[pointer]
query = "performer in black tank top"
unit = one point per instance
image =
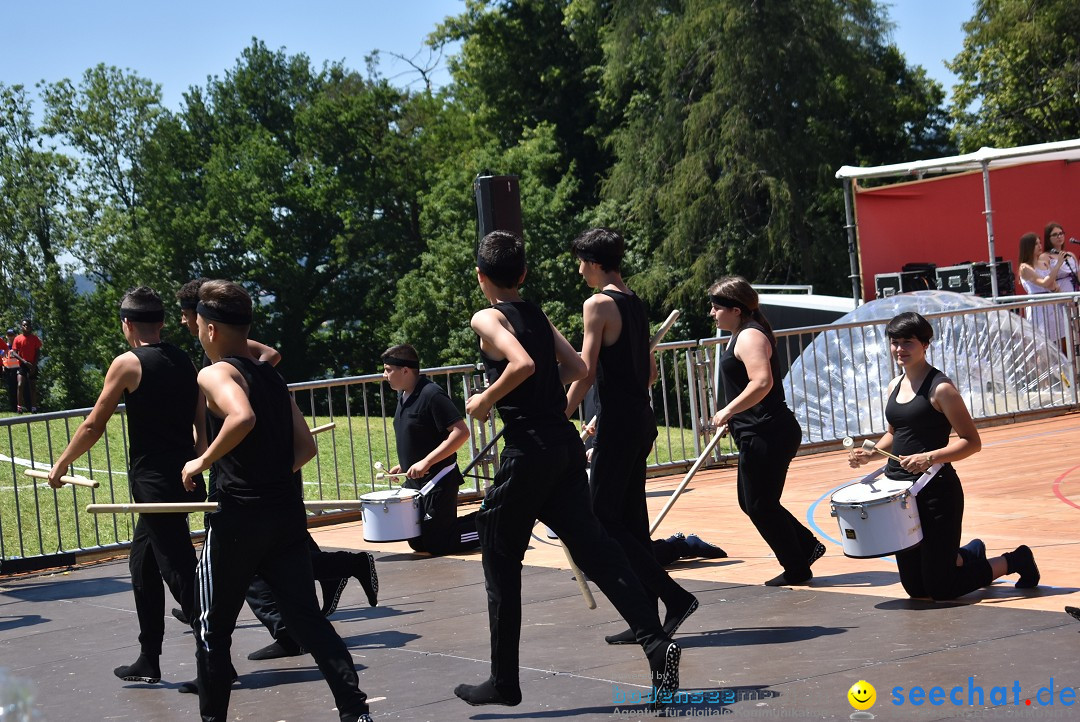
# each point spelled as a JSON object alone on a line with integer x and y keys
{"x": 164, "y": 409}
{"x": 765, "y": 431}
{"x": 616, "y": 353}
{"x": 260, "y": 528}
{"x": 541, "y": 476}
{"x": 923, "y": 409}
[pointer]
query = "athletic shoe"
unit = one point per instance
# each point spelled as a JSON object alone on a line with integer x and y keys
{"x": 974, "y": 549}
{"x": 365, "y": 573}
{"x": 698, "y": 547}
{"x": 179, "y": 615}
{"x": 331, "y": 594}
{"x": 817, "y": 553}
{"x": 192, "y": 687}
{"x": 664, "y": 668}
{"x": 277, "y": 650}
{"x": 675, "y": 617}
{"x": 1022, "y": 561}
{"x": 1073, "y": 612}
{"x": 145, "y": 669}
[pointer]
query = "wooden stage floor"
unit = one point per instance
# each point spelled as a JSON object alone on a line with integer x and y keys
{"x": 750, "y": 650}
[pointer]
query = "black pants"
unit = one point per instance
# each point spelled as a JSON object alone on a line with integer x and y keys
{"x": 442, "y": 531}
{"x": 553, "y": 488}
{"x": 161, "y": 550}
{"x": 11, "y": 382}
{"x": 929, "y": 570}
{"x": 241, "y": 543}
{"x": 764, "y": 458}
{"x": 325, "y": 566}
{"x": 617, "y": 484}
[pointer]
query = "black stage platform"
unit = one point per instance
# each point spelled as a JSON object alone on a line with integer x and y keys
{"x": 749, "y": 651}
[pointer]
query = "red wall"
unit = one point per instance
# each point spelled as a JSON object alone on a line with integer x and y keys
{"x": 940, "y": 220}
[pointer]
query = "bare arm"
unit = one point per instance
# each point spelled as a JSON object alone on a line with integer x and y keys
{"x": 457, "y": 434}
{"x": 262, "y": 352}
{"x": 595, "y": 319}
{"x": 1027, "y": 273}
{"x": 304, "y": 448}
{"x": 499, "y": 342}
{"x": 946, "y": 399}
{"x": 571, "y": 367}
{"x": 124, "y": 374}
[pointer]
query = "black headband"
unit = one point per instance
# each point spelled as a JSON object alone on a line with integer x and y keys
{"x": 133, "y": 314}
{"x": 398, "y": 361}
{"x": 189, "y": 305}
{"x": 214, "y": 314}
{"x": 728, "y": 303}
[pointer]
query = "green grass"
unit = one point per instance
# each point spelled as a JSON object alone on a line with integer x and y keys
{"x": 342, "y": 469}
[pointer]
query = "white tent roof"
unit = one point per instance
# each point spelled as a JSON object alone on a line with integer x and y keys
{"x": 993, "y": 157}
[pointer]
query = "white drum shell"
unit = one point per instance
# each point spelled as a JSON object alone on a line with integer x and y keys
{"x": 391, "y": 515}
{"x": 877, "y": 519}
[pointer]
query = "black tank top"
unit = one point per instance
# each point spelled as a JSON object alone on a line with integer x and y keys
{"x": 622, "y": 374}
{"x": 736, "y": 380}
{"x": 534, "y": 413}
{"x": 161, "y": 416}
{"x": 917, "y": 426}
{"x": 258, "y": 472}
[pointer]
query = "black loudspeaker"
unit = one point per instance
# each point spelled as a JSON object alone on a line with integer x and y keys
{"x": 498, "y": 204}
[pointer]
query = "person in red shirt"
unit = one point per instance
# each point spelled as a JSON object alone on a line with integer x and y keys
{"x": 27, "y": 347}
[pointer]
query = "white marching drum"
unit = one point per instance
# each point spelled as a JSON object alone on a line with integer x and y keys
{"x": 877, "y": 516}
{"x": 391, "y": 515}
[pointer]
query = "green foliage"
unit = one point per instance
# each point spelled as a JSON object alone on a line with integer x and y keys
{"x": 1019, "y": 74}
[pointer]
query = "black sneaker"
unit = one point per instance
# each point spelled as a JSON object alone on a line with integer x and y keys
{"x": 817, "y": 553}
{"x": 331, "y": 594}
{"x": 365, "y": 573}
{"x": 664, "y": 668}
{"x": 1023, "y": 562}
{"x": 698, "y": 547}
{"x": 675, "y": 617}
{"x": 144, "y": 669}
{"x": 1073, "y": 612}
{"x": 277, "y": 650}
{"x": 973, "y": 550}
{"x": 179, "y": 615}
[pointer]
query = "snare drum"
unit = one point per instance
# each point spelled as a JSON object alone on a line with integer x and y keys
{"x": 391, "y": 515}
{"x": 877, "y": 517}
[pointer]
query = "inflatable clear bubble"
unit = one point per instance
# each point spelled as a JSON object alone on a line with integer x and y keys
{"x": 999, "y": 361}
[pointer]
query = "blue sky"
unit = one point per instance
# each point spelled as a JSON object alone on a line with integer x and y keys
{"x": 179, "y": 44}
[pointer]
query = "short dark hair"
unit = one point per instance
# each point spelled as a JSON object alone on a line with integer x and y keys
{"x": 228, "y": 298}
{"x": 600, "y": 245}
{"x": 909, "y": 325}
{"x": 188, "y": 295}
{"x": 142, "y": 298}
{"x": 501, "y": 257}
{"x": 394, "y": 355}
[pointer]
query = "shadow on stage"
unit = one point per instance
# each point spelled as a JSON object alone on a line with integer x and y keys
{"x": 741, "y": 636}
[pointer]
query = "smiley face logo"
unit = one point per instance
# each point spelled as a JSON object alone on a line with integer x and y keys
{"x": 862, "y": 695}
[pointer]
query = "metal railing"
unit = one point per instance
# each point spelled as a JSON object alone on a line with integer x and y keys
{"x": 39, "y": 522}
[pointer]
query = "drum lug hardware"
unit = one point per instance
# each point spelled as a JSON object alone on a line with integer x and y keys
{"x": 862, "y": 513}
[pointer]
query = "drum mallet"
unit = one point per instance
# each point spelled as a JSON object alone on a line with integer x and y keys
{"x": 868, "y": 445}
{"x": 689, "y": 475}
{"x": 653, "y": 343}
{"x": 73, "y": 480}
{"x": 380, "y": 474}
{"x": 324, "y": 427}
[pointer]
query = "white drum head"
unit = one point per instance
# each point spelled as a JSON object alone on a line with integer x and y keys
{"x": 880, "y": 490}
{"x": 391, "y": 496}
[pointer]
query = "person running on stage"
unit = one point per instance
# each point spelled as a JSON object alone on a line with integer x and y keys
{"x": 617, "y": 359}
{"x": 763, "y": 427}
{"x": 165, "y": 419}
{"x": 261, "y": 440}
{"x": 541, "y": 476}
{"x": 429, "y": 430}
{"x": 923, "y": 409}
{"x": 332, "y": 569}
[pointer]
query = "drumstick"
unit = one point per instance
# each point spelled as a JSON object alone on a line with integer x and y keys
{"x": 73, "y": 480}
{"x": 653, "y": 343}
{"x": 324, "y": 427}
{"x": 190, "y": 507}
{"x": 382, "y": 475}
{"x": 689, "y": 475}
{"x": 868, "y": 445}
{"x": 586, "y": 592}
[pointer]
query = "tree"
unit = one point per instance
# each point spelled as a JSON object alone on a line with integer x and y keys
{"x": 733, "y": 117}
{"x": 1019, "y": 74}
{"x": 300, "y": 184}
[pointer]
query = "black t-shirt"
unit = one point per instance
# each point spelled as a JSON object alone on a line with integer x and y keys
{"x": 534, "y": 412}
{"x": 736, "y": 379}
{"x": 917, "y": 426}
{"x": 421, "y": 422}
{"x": 161, "y": 416}
{"x": 622, "y": 373}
